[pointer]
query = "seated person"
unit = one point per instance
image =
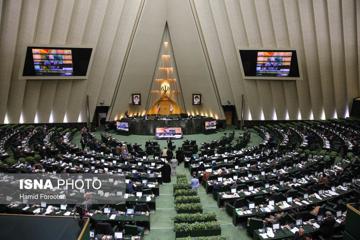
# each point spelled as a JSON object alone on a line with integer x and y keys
{"x": 327, "y": 225}
{"x": 205, "y": 177}
{"x": 130, "y": 187}
{"x": 274, "y": 218}
{"x": 124, "y": 151}
{"x": 306, "y": 215}
{"x": 213, "y": 165}
{"x": 136, "y": 176}
{"x": 300, "y": 235}
{"x": 201, "y": 167}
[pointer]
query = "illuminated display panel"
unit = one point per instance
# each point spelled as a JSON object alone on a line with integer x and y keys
{"x": 270, "y": 64}
{"x": 273, "y": 64}
{"x": 56, "y": 62}
{"x": 52, "y": 62}
{"x": 210, "y": 125}
{"x": 122, "y": 126}
{"x": 168, "y": 132}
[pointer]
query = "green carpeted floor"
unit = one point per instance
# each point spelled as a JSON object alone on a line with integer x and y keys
{"x": 161, "y": 222}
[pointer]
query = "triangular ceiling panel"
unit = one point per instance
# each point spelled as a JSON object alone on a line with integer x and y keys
{"x": 165, "y": 97}
{"x": 192, "y": 72}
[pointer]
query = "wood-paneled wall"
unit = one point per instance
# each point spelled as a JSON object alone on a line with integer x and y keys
{"x": 206, "y": 37}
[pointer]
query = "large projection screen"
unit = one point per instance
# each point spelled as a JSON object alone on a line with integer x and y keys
{"x": 265, "y": 64}
{"x": 56, "y": 62}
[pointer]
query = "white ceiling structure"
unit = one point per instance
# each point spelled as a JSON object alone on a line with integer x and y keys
{"x": 206, "y": 36}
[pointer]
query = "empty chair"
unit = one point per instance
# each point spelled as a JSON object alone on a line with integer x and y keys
{"x": 286, "y": 219}
{"x": 104, "y": 228}
{"x": 120, "y": 207}
{"x": 147, "y": 191}
{"x": 277, "y": 197}
{"x": 142, "y": 207}
{"x": 257, "y": 200}
{"x": 240, "y": 203}
{"x": 133, "y": 230}
{"x": 292, "y": 193}
{"x": 254, "y": 224}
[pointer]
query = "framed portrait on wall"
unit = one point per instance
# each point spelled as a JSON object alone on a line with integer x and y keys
{"x": 196, "y": 99}
{"x": 136, "y": 99}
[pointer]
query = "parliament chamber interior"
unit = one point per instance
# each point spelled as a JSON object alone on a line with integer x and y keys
{"x": 179, "y": 119}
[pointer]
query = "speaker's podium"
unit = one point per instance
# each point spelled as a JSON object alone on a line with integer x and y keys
{"x": 30, "y": 227}
{"x": 352, "y": 224}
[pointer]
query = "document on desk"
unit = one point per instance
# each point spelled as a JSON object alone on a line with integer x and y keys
{"x": 37, "y": 210}
{"x": 332, "y": 193}
{"x": 264, "y": 235}
{"x": 113, "y": 216}
{"x": 294, "y": 230}
{"x": 265, "y": 209}
{"x": 316, "y": 225}
{"x": 25, "y": 208}
{"x": 270, "y": 233}
{"x": 317, "y": 196}
{"x": 284, "y": 205}
{"x": 67, "y": 213}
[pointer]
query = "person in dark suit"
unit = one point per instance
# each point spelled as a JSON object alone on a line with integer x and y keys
{"x": 130, "y": 187}
{"x": 169, "y": 154}
{"x": 180, "y": 155}
{"x": 170, "y": 144}
{"x": 201, "y": 167}
{"x": 166, "y": 173}
{"x": 82, "y": 142}
{"x": 327, "y": 226}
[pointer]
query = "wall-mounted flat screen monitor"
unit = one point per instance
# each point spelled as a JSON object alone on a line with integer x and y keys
{"x": 56, "y": 62}
{"x": 270, "y": 64}
{"x": 168, "y": 132}
{"x": 210, "y": 125}
{"x": 122, "y": 126}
